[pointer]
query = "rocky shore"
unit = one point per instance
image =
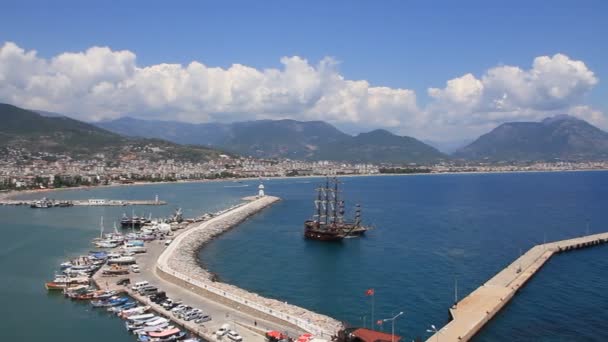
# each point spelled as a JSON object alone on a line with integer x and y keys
{"x": 180, "y": 260}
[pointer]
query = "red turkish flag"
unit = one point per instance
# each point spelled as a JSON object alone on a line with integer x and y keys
{"x": 379, "y": 322}
{"x": 369, "y": 292}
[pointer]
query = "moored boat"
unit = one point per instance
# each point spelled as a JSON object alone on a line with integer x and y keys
{"x": 328, "y": 223}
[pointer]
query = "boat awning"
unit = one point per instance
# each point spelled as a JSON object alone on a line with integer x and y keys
{"x": 304, "y": 338}
{"x": 164, "y": 333}
{"x": 367, "y": 335}
{"x": 275, "y": 334}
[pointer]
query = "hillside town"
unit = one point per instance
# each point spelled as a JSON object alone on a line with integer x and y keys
{"x": 22, "y": 170}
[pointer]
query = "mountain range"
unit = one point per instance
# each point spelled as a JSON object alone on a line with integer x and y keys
{"x": 560, "y": 137}
{"x": 29, "y": 130}
{"x": 309, "y": 140}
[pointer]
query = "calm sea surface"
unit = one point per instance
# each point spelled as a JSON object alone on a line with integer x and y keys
{"x": 430, "y": 230}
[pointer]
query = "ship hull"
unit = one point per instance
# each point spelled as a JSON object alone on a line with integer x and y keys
{"x": 313, "y": 231}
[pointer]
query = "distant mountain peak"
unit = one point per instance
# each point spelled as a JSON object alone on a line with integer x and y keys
{"x": 558, "y": 118}
{"x": 379, "y": 132}
{"x": 561, "y": 137}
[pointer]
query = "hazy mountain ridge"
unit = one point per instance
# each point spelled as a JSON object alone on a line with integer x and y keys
{"x": 29, "y": 130}
{"x": 561, "y": 137}
{"x": 312, "y": 140}
{"x": 380, "y": 146}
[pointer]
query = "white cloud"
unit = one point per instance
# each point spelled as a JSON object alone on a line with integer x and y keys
{"x": 554, "y": 85}
{"x": 102, "y": 83}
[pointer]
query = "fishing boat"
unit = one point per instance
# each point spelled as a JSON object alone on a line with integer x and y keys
{"x": 58, "y": 286}
{"x": 156, "y": 328}
{"x": 114, "y": 270}
{"x": 140, "y": 310}
{"x": 63, "y": 282}
{"x": 328, "y": 222}
{"x": 167, "y": 335}
{"x": 109, "y": 302}
{"x": 42, "y": 203}
{"x": 122, "y": 260}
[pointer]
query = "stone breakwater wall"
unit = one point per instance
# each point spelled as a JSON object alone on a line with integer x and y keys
{"x": 179, "y": 261}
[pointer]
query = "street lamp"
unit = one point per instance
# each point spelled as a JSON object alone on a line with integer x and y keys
{"x": 434, "y": 330}
{"x": 393, "y": 324}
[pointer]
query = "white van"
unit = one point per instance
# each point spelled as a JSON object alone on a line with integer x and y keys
{"x": 139, "y": 285}
{"x": 168, "y": 242}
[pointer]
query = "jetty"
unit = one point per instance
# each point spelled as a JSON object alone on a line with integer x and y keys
{"x": 179, "y": 265}
{"x": 471, "y": 313}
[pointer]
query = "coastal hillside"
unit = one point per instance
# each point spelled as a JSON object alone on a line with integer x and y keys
{"x": 261, "y": 138}
{"x": 380, "y": 146}
{"x": 304, "y": 140}
{"x": 556, "y": 138}
{"x": 29, "y": 131}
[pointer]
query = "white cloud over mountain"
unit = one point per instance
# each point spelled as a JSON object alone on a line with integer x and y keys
{"x": 100, "y": 83}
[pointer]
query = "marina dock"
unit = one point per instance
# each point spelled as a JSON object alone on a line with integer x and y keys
{"x": 471, "y": 313}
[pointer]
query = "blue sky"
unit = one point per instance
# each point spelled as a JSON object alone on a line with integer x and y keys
{"x": 395, "y": 44}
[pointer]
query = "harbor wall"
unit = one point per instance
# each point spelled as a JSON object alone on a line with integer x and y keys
{"x": 473, "y": 312}
{"x": 179, "y": 264}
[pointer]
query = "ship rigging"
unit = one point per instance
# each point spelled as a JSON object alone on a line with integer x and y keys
{"x": 328, "y": 222}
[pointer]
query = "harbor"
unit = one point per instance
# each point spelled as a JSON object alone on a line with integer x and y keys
{"x": 473, "y": 312}
{"x": 255, "y": 233}
{"x": 162, "y": 253}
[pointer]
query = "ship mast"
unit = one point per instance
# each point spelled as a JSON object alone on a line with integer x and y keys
{"x": 326, "y": 200}
{"x": 335, "y": 202}
{"x": 317, "y": 216}
{"x": 358, "y": 215}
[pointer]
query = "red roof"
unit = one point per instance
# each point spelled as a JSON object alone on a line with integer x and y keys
{"x": 368, "y": 335}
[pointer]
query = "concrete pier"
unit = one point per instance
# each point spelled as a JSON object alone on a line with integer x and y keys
{"x": 178, "y": 264}
{"x": 474, "y": 311}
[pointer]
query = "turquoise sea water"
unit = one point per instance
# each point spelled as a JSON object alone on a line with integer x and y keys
{"x": 430, "y": 229}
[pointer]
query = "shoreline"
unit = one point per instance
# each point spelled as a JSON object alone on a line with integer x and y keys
{"x": 180, "y": 265}
{"x": 10, "y": 195}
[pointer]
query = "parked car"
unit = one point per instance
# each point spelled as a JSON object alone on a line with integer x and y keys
{"x": 158, "y": 297}
{"x": 223, "y": 330}
{"x": 135, "y": 268}
{"x": 124, "y": 282}
{"x": 169, "y": 303}
{"x": 202, "y": 319}
{"x": 234, "y": 336}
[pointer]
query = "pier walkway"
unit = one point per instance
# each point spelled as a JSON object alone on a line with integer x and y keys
{"x": 474, "y": 311}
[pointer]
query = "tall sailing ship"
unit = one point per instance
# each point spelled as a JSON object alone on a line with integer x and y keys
{"x": 328, "y": 223}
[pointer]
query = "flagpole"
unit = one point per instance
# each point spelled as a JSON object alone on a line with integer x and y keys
{"x": 373, "y": 295}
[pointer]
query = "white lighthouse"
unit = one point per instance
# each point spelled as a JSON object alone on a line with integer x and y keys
{"x": 261, "y": 190}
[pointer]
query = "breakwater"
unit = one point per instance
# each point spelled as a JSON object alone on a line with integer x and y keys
{"x": 179, "y": 264}
{"x": 478, "y": 308}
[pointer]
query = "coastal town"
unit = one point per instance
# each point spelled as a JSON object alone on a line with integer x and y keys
{"x": 20, "y": 170}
